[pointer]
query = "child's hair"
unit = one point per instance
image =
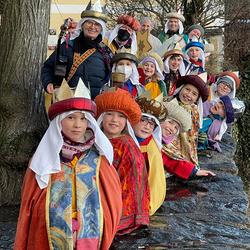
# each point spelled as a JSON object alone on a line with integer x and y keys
{"x": 174, "y": 56}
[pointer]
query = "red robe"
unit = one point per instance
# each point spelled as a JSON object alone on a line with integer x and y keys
{"x": 31, "y": 228}
{"x": 130, "y": 165}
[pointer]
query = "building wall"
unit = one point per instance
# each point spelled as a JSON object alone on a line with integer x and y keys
{"x": 60, "y": 10}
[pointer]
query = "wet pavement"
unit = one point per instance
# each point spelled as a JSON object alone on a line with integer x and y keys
{"x": 204, "y": 213}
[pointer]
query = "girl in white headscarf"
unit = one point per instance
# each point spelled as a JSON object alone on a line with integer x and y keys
{"x": 151, "y": 75}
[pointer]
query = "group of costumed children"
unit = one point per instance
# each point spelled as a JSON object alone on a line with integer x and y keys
{"x": 100, "y": 168}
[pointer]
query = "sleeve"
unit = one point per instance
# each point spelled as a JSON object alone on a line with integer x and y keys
{"x": 181, "y": 168}
{"x": 31, "y": 193}
{"x": 111, "y": 199}
{"x": 48, "y": 70}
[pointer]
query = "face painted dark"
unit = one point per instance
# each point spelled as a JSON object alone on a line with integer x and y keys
{"x": 123, "y": 35}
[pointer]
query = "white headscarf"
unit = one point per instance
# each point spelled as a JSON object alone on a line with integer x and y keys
{"x": 129, "y": 128}
{"x": 157, "y": 68}
{"x": 181, "y": 68}
{"x": 78, "y": 28}
{"x": 46, "y": 159}
{"x": 181, "y": 29}
{"x": 113, "y": 34}
{"x": 199, "y": 105}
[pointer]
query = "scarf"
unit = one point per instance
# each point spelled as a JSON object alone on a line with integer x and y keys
{"x": 198, "y": 63}
{"x": 82, "y": 44}
{"x": 70, "y": 149}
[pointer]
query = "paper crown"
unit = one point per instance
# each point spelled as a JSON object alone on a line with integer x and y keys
{"x": 67, "y": 99}
{"x": 199, "y": 81}
{"x": 118, "y": 100}
{"x": 178, "y": 114}
{"x": 95, "y": 10}
{"x": 152, "y": 106}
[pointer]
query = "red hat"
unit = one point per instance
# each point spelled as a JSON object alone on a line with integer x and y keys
{"x": 76, "y": 103}
{"x": 196, "y": 81}
{"x": 121, "y": 101}
{"x": 130, "y": 21}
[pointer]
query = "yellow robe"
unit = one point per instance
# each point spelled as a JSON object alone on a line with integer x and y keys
{"x": 156, "y": 176}
{"x": 153, "y": 88}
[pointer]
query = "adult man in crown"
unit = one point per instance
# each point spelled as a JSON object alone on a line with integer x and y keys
{"x": 84, "y": 55}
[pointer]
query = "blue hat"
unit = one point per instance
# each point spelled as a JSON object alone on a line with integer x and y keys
{"x": 228, "y": 108}
{"x": 194, "y": 44}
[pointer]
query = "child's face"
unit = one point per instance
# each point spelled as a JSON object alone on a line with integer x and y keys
{"x": 124, "y": 66}
{"x": 175, "y": 62}
{"x": 169, "y": 127}
{"x": 195, "y": 32}
{"x": 223, "y": 89}
{"x": 189, "y": 94}
{"x": 74, "y": 126}
{"x": 194, "y": 53}
{"x": 149, "y": 69}
{"x": 144, "y": 128}
{"x": 113, "y": 124}
{"x": 218, "y": 109}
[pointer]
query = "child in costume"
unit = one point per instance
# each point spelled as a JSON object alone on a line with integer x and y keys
{"x": 151, "y": 75}
{"x": 191, "y": 92}
{"x": 194, "y": 32}
{"x": 178, "y": 121}
{"x": 148, "y": 134}
{"x": 126, "y": 63}
{"x": 71, "y": 196}
{"x": 174, "y": 68}
{"x": 195, "y": 58}
{"x": 117, "y": 111}
{"x": 216, "y": 116}
{"x": 226, "y": 84}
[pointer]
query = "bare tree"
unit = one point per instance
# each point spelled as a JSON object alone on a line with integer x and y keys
{"x": 204, "y": 12}
{"x": 23, "y": 43}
